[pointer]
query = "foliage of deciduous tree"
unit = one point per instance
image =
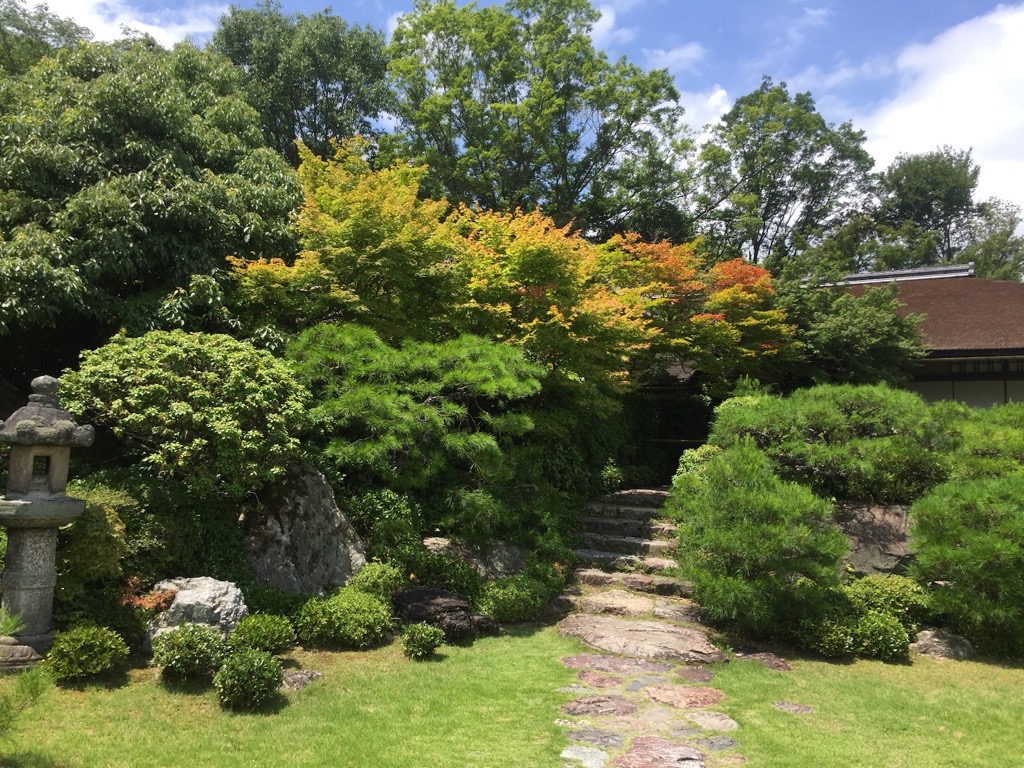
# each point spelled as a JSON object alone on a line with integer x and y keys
{"x": 27, "y": 35}
{"x": 775, "y": 177}
{"x": 124, "y": 170}
{"x": 510, "y": 106}
{"x": 311, "y": 78}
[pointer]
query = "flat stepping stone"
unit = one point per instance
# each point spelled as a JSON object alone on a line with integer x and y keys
{"x": 654, "y": 752}
{"x": 715, "y": 743}
{"x": 643, "y": 682}
{"x": 617, "y": 602}
{"x": 685, "y": 612}
{"x": 770, "y": 660}
{"x": 297, "y": 679}
{"x": 658, "y": 585}
{"x": 614, "y": 664}
{"x": 685, "y": 696}
{"x": 595, "y": 577}
{"x": 793, "y": 708}
{"x": 598, "y": 737}
{"x": 643, "y": 639}
{"x": 575, "y": 689}
{"x": 696, "y": 675}
{"x": 600, "y": 705}
{"x": 713, "y": 721}
{"x": 588, "y": 757}
{"x": 596, "y": 680}
{"x": 686, "y": 733}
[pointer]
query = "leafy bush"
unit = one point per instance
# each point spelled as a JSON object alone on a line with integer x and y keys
{"x": 91, "y": 548}
{"x": 514, "y": 599}
{"x": 758, "y": 550}
{"x": 969, "y": 543}
{"x": 435, "y": 569}
{"x": 989, "y": 441}
{"x": 855, "y": 443}
{"x": 878, "y": 635}
{"x": 384, "y": 518}
{"x": 378, "y": 579}
{"x": 84, "y": 653}
{"x": 419, "y": 641}
{"x": 248, "y": 679}
{"x": 693, "y": 468}
{"x": 189, "y": 652}
{"x": 347, "y": 619}
{"x": 272, "y": 601}
{"x": 896, "y": 596}
{"x": 263, "y": 632}
{"x": 213, "y": 412}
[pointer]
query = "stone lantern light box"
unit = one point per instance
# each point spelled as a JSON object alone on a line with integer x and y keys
{"x": 41, "y": 436}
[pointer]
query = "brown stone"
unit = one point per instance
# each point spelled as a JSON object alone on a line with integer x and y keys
{"x": 712, "y": 721}
{"x": 595, "y": 680}
{"x": 877, "y": 535}
{"x": 297, "y": 679}
{"x": 594, "y": 577}
{"x": 696, "y": 675}
{"x": 654, "y": 752}
{"x": 614, "y": 664}
{"x": 769, "y": 660}
{"x": 643, "y": 639}
{"x": 617, "y": 602}
{"x": 685, "y": 696}
{"x": 599, "y": 705}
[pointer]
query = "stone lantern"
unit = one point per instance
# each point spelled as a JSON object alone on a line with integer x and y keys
{"x": 41, "y": 436}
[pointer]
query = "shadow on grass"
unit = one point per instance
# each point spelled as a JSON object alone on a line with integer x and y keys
{"x": 28, "y": 760}
{"x": 272, "y": 706}
{"x": 186, "y": 686}
{"x": 109, "y": 682}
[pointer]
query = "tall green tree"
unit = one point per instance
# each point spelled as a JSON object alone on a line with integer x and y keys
{"x": 510, "y": 106}
{"x": 775, "y": 177}
{"x": 27, "y": 35}
{"x": 125, "y": 170}
{"x": 311, "y": 78}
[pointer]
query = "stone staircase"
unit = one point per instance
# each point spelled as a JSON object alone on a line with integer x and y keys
{"x": 626, "y": 531}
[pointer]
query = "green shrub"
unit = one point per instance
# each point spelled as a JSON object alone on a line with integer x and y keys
{"x": 514, "y": 599}
{"x": 91, "y": 548}
{"x": 896, "y": 596}
{"x": 347, "y": 619}
{"x": 85, "y": 653}
{"x": 968, "y": 539}
{"x": 384, "y": 518}
{"x": 693, "y": 467}
{"x": 272, "y": 601}
{"x": 878, "y": 635}
{"x": 855, "y": 443}
{"x": 419, "y": 641}
{"x": 263, "y": 632}
{"x": 189, "y": 652}
{"x": 832, "y": 638}
{"x": 759, "y": 551}
{"x": 248, "y": 679}
{"x": 990, "y": 441}
{"x": 435, "y": 569}
{"x": 378, "y": 579}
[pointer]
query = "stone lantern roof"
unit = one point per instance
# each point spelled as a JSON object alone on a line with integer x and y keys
{"x": 43, "y": 421}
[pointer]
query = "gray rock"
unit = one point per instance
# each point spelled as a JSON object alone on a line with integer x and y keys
{"x": 588, "y": 757}
{"x": 877, "y": 535}
{"x": 595, "y": 577}
{"x": 297, "y": 679}
{"x": 598, "y": 737}
{"x": 942, "y": 645}
{"x": 618, "y": 602}
{"x": 642, "y": 682}
{"x": 599, "y": 705}
{"x": 644, "y": 639}
{"x": 301, "y": 542}
{"x": 715, "y": 743}
{"x": 200, "y": 600}
{"x": 614, "y": 664}
{"x": 793, "y": 708}
{"x": 689, "y": 613}
{"x": 712, "y": 721}
{"x": 696, "y": 675}
{"x": 494, "y": 562}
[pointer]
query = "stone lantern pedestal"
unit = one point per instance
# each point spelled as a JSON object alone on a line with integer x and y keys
{"x": 41, "y": 436}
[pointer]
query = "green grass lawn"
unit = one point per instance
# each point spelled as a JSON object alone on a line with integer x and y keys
{"x": 495, "y": 703}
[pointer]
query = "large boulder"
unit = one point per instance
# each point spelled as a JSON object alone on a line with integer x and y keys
{"x": 301, "y": 542}
{"x": 942, "y": 645}
{"x": 877, "y": 535}
{"x": 200, "y": 600}
{"x": 446, "y": 610}
{"x": 642, "y": 639}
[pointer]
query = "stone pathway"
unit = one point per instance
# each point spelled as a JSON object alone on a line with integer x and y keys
{"x": 652, "y": 704}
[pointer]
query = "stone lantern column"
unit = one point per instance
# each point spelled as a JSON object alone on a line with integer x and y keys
{"x": 41, "y": 436}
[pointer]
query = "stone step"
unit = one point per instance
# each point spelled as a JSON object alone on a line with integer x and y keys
{"x": 621, "y": 511}
{"x": 629, "y": 545}
{"x": 614, "y": 527}
{"x": 605, "y": 559}
{"x": 638, "y": 582}
{"x": 637, "y": 497}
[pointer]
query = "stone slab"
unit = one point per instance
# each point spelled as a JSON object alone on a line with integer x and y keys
{"x": 617, "y": 602}
{"x": 588, "y": 757}
{"x": 614, "y": 664}
{"x": 654, "y": 752}
{"x": 685, "y": 696}
{"x": 696, "y": 675}
{"x": 597, "y": 680}
{"x": 600, "y": 705}
{"x": 793, "y": 708}
{"x": 598, "y": 737}
{"x": 712, "y": 721}
{"x": 642, "y": 639}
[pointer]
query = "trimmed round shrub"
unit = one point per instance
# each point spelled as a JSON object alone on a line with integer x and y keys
{"x": 263, "y": 632}
{"x": 514, "y": 599}
{"x": 378, "y": 579}
{"x": 419, "y": 641}
{"x": 969, "y": 542}
{"x": 248, "y": 679}
{"x": 85, "y": 653}
{"x": 347, "y": 619}
{"x": 895, "y": 596}
{"x": 189, "y": 652}
{"x": 877, "y": 635}
{"x": 830, "y": 637}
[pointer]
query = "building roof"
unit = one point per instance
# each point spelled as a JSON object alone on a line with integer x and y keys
{"x": 966, "y": 316}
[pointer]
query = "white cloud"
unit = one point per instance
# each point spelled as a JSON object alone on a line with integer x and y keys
{"x": 107, "y": 18}
{"x": 703, "y": 108}
{"x": 963, "y": 89}
{"x": 677, "y": 59}
{"x": 392, "y": 23}
{"x": 604, "y": 32}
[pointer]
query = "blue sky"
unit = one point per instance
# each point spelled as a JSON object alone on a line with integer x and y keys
{"x": 913, "y": 74}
